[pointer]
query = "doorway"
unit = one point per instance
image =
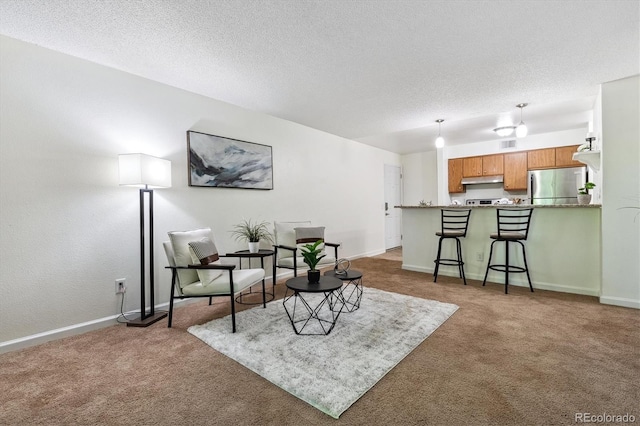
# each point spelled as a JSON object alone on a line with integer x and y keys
{"x": 392, "y": 197}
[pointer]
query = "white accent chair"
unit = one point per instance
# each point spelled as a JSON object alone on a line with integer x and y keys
{"x": 190, "y": 278}
{"x": 286, "y": 249}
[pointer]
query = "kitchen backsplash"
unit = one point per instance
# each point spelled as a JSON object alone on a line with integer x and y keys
{"x": 487, "y": 190}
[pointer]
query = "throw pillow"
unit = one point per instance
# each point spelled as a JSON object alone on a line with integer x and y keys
{"x": 309, "y": 235}
{"x": 204, "y": 251}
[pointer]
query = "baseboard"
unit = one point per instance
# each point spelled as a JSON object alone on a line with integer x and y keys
{"x": 620, "y": 301}
{"x": 75, "y": 329}
{"x": 516, "y": 282}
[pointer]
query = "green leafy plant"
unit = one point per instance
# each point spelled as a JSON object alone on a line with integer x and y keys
{"x": 585, "y": 189}
{"x": 252, "y": 232}
{"x": 310, "y": 253}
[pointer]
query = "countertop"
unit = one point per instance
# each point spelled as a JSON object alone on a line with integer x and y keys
{"x": 537, "y": 206}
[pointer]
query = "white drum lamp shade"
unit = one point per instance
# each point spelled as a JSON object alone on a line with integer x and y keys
{"x": 144, "y": 171}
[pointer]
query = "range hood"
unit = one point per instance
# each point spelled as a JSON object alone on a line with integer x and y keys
{"x": 482, "y": 179}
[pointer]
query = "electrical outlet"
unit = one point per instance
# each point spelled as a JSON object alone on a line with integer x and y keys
{"x": 479, "y": 256}
{"x": 120, "y": 285}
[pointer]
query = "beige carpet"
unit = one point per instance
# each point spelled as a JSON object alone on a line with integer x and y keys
{"x": 523, "y": 358}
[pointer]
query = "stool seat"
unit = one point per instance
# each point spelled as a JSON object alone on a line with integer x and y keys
{"x": 454, "y": 223}
{"x": 450, "y": 234}
{"x": 513, "y": 227}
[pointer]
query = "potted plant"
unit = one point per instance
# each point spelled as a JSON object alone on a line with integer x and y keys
{"x": 310, "y": 253}
{"x": 252, "y": 233}
{"x": 583, "y": 193}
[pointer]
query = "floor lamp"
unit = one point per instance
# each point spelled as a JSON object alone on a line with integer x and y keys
{"x": 145, "y": 172}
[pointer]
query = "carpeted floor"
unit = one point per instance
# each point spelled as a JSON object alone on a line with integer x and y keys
{"x": 522, "y": 358}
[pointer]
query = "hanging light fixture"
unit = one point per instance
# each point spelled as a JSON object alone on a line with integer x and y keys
{"x": 439, "y": 139}
{"x": 521, "y": 129}
{"x": 504, "y": 131}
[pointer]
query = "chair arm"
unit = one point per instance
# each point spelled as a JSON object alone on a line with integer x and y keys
{"x": 227, "y": 267}
{"x": 293, "y": 249}
{"x": 335, "y": 248}
{"x": 212, "y": 266}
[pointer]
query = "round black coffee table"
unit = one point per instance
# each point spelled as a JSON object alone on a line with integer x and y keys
{"x": 352, "y": 290}
{"x": 321, "y": 302}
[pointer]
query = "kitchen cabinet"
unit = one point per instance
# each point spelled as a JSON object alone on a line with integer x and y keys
{"x": 515, "y": 171}
{"x": 564, "y": 156}
{"x": 472, "y": 167}
{"x": 492, "y": 165}
{"x": 541, "y": 158}
{"x": 455, "y": 175}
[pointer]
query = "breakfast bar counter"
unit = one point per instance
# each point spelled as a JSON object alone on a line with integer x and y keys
{"x": 563, "y": 247}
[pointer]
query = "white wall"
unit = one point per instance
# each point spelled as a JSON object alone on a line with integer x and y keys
{"x": 420, "y": 173}
{"x": 539, "y": 141}
{"x": 68, "y": 230}
{"x": 621, "y": 190}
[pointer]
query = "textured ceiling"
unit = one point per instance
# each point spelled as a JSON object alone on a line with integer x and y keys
{"x": 380, "y": 72}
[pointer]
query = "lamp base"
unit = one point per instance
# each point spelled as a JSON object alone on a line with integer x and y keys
{"x": 147, "y": 321}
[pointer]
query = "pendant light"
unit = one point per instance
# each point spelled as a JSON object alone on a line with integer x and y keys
{"x": 521, "y": 129}
{"x": 504, "y": 131}
{"x": 439, "y": 139}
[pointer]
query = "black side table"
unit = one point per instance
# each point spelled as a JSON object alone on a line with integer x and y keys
{"x": 321, "y": 302}
{"x": 352, "y": 290}
{"x": 261, "y": 254}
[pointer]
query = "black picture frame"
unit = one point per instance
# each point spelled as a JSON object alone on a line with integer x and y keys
{"x": 221, "y": 162}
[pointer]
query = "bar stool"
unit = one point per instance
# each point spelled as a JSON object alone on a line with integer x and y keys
{"x": 513, "y": 227}
{"x": 454, "y": 223}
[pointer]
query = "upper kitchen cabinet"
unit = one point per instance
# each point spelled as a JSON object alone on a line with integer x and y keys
{"x": 515, "y": 171}
{"x": 492, "y": 165}
{"x": 472, "y": 166}
{"x": 564, "y": 156}
{"x": 455, "y": 175}
{"x": 541, "y": 158}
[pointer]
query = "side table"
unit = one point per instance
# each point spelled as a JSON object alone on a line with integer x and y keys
{"x": 261, "y": 254}
{"x": 310, "y": 304}
{"x": 352, "y": 291}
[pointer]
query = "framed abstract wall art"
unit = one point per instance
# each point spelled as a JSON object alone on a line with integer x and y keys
{"x": 216, "y": 161}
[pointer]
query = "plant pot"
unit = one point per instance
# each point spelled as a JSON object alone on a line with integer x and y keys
{"x": 313, "y": 275}
{"x": 254, "y": 247}
{"x": 584, "y": 199}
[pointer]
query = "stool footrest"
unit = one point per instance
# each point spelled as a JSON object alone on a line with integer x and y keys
{"x": 449, "y": 262}
{"x": 503, "y": 268}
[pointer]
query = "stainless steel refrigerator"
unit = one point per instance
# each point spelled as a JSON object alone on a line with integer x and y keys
{"x": 556, "y": 186}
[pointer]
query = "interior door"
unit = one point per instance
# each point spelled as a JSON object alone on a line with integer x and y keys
{"x": 392, "y": 197}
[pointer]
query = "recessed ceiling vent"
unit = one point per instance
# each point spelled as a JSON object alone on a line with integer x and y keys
{"x": 508, "y": 144}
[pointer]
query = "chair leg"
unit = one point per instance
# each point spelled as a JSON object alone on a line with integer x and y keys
{"x": 210, "y": 300}
{"x": 486, "y": 274}
{"x": 264, "y": 295}
{"x": 437, "y": 261}
{"x": 171, "y": 295}
{"x": 233, "y": 313}
{"x": 273, "y": 276}
{"x": 526, "y": 267}
{"x": 506, "y": 270}
{"x": 460, "y": 261}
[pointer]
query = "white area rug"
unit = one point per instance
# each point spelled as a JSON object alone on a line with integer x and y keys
{"x": 329, "y": 372}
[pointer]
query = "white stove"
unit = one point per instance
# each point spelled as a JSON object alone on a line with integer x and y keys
{"x": 480, "y": 201}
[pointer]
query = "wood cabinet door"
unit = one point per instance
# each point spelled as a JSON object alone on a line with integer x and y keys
{"x": 472, "y": 167}
{"x": 541, "y": 158}
{"x": 455, "y": 175}
{"x": 515, "y": 171}
{"x": 564, "y": 156}
{"x": 492, "y": 165}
